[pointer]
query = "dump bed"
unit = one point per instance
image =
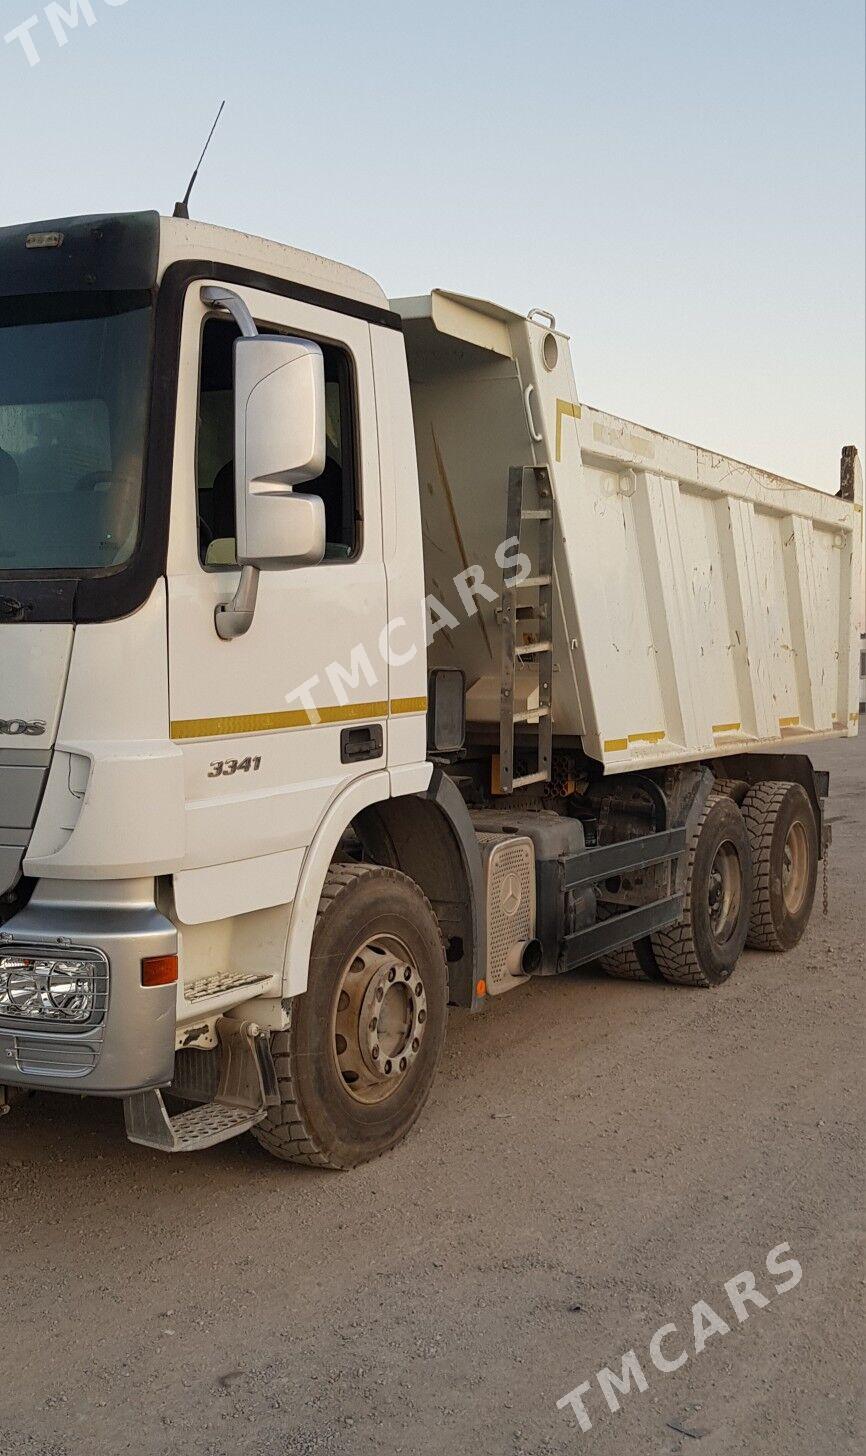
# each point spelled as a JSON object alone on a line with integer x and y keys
{"x": 702, "y": 606}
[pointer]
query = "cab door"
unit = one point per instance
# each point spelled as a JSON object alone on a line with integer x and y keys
{"x": 275, "y": 724}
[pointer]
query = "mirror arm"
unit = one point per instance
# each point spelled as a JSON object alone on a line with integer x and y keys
{"x": 224, "y": 298}
{"x": 232, "y": 619}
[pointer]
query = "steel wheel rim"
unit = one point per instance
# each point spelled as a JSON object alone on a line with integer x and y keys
{"x": 795, "y": 868}
{"x": 725, "y": 892}
{"x": 379, "y": 1019}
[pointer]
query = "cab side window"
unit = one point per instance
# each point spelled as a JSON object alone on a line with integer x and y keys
{"x": 337, "y": 485}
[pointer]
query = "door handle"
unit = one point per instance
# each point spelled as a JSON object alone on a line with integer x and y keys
{"x": 360, "y": 744}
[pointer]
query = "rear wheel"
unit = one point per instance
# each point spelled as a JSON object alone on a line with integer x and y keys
{"x": 784, "y": 838}
{"x": 704, "y": 947}
{"x": 635, "y": 962}
{"x": 357, "y": 1063}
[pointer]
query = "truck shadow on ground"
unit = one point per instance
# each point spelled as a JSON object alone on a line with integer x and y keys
{"x": 46, "y": 1134}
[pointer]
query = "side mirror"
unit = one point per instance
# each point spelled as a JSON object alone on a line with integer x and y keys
{"x": 446, "y": 710}
{"x": 280, "y": 443}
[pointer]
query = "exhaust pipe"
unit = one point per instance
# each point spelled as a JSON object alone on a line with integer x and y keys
{"x": 525, "y": 958}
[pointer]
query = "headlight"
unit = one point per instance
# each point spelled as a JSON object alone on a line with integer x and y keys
{"x": 33, "y": 988}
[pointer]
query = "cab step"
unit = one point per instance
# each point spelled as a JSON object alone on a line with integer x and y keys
{"x": 209, "y": 986}
{"x": 247, "y": 1088}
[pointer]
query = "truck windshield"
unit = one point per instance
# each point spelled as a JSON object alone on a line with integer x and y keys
{"x": 74, "y": 397}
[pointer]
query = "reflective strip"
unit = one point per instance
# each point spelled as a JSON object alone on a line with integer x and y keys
{"x": 408, "y": 705}
{"x": 274, "y": 722}
{"x": 564, "y": 410}
{"x": 236, "y": 727}
{"x": 727, "y": 727}
{"x": 620, "y": 745}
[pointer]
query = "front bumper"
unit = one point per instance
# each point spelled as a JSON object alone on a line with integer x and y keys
{"x": 131, "y": 1047}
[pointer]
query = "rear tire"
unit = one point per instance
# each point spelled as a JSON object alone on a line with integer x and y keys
{"x": 702, "y": 950}
{"x": 359, "y": 1058}
{"x": 635, "y": 962}
{"x": 784, "y": 836}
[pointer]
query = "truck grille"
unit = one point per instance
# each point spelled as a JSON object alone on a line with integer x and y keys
{"x": 49, "y": 1056}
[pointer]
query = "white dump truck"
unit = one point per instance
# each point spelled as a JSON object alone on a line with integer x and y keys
{"x": 352, "y": 667}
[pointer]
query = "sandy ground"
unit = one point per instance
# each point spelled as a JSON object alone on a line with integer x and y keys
{"x": 596, "y": 1158}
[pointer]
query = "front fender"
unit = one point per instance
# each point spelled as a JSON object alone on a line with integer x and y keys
{"x": 361, "y": 794}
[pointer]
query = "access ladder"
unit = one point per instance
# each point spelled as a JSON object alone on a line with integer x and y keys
{"x": 530, "y": 482}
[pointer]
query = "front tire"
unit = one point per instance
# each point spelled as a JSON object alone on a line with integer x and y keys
{"x": 358, "y": 1061}
{"x": 703, "y": 948}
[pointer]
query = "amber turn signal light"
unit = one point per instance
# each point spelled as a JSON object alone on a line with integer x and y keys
{"x": 159, "y": 971}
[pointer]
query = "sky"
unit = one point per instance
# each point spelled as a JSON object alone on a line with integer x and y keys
{"x": 680, "y": 181}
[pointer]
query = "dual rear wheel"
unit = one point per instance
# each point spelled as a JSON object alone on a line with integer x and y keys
{"x": 784, "y": 839}
{"x": 752, "y": 874}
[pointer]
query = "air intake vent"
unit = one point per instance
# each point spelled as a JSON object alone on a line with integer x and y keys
{"x": 509, "y": 866}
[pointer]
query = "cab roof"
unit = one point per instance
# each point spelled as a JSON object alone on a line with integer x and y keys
{"x": 182, "y": 240}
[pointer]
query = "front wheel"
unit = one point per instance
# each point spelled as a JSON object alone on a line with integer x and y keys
{"x": 704, "y": 947}
{"x": 357, "y": 1063}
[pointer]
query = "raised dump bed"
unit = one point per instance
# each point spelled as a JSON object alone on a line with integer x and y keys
{"x": 701, "y": 606}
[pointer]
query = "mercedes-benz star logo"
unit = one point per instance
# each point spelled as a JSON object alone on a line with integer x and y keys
{"x": 511, "y": 895}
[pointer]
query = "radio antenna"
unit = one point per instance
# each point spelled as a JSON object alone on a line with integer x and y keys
{"x": 182, "y": 208}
